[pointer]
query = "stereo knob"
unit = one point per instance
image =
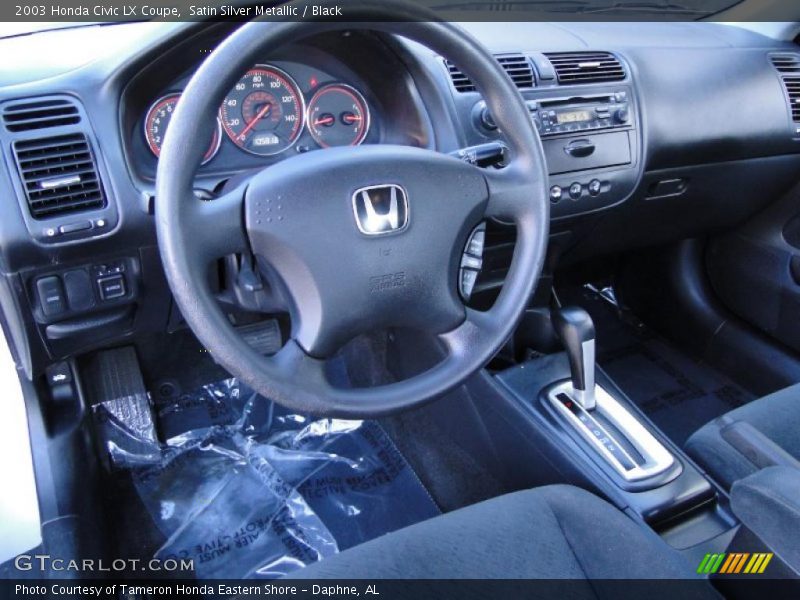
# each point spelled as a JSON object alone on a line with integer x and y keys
{"x": 622, "y": 115}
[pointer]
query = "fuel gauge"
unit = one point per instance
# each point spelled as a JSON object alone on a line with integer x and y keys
{"x": 338, "y": 116}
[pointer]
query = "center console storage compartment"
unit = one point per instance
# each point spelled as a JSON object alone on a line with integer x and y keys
{"x": 582, "y": 152}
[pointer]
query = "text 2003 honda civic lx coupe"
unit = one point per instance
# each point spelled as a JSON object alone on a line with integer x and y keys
{"x": 382, "y": 297}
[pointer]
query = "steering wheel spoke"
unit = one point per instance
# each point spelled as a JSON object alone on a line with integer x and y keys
{"x": 510, "y": 193}
{"x": 474, "y": 330}
{"x": 217, "y": 226}
{"x": 294, "y": 363}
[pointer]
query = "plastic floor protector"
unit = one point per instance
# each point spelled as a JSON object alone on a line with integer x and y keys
{"x": 248, "y": 490}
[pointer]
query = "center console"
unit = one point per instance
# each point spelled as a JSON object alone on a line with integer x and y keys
{"x": 590, "y": 425}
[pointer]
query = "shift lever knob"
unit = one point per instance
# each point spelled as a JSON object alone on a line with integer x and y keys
{"x": 575, "y": 328}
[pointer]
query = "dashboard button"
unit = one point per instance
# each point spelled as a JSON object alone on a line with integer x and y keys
{"x": 594, "y": 187}
{"x": 112, "y": 287}
{"x": 476, "y": 241}
{"x": 51, "y": 296}
{"x": 59, "y": 374}
{"x": 556, "y": 193}
{"x": 467, "y": 283}
{"x": 471, "y": 262}
{"x": 575, "y": 191}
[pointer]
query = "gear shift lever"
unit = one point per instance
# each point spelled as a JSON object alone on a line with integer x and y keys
{"x": 604, "y": 423}
{"x": 575, "y": 328}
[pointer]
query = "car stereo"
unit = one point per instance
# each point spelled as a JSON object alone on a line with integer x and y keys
{"x": 579, "y": 114}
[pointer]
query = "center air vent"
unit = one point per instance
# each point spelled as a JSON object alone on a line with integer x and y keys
{"x": 788, "y": 65}
{"x": 59, "y": 175}
{"x": 586, "y": 67}
{"x": 39, "y": 114}
{"x": 517, "y": 66}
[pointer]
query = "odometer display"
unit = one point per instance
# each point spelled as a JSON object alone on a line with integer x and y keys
{"x": 264, "y": 112}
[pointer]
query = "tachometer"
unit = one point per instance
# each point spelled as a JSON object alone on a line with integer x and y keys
{"x": 338, "y": 116}
{"x": 264, "y": 112}
{"x": 158, "y": 117}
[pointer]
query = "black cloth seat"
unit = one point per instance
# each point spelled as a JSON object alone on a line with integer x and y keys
{"x": 552, "y": 532}
{"x": 763, "y": 433}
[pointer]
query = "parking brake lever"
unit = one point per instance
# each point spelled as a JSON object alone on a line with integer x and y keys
{"x": 575, "y": 328}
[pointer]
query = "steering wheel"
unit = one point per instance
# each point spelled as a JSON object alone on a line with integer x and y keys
{"x": 357, "y": 238}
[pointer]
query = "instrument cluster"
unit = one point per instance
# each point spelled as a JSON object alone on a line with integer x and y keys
{"x": 268, "y": 112}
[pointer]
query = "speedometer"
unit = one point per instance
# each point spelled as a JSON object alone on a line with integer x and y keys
{"x": 264, "y": 112}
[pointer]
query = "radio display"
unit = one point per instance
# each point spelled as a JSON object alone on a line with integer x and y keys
{"x": 575, "y": 116}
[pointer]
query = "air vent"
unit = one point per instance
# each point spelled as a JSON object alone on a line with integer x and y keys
{"x": 586, "y": 67}
{"x": 517, "y": 66}
{"x": 59, "y": 175}
{"x": 788, "y": 65}
{"x": 460, "y": 81}
{"x": 39, "y": 114}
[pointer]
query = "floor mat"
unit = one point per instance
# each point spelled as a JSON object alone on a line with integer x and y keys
{"x": 454, "y": 477}
{"x": 679, "y": 393}
{"x": 248, "y": 490}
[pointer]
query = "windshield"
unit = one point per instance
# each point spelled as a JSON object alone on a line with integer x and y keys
{"x": 12, "y": 29}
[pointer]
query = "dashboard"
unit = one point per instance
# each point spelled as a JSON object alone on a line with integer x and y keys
{"x": 272, "y": 110}
{"x": 651, "y": 134}
{"x": 282, "y": 106}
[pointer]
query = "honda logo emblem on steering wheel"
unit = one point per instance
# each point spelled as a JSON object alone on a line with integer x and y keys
{"x": 380, "y": 209}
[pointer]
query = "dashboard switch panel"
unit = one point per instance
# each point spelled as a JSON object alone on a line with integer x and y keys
{"x": 74, "y": 292}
